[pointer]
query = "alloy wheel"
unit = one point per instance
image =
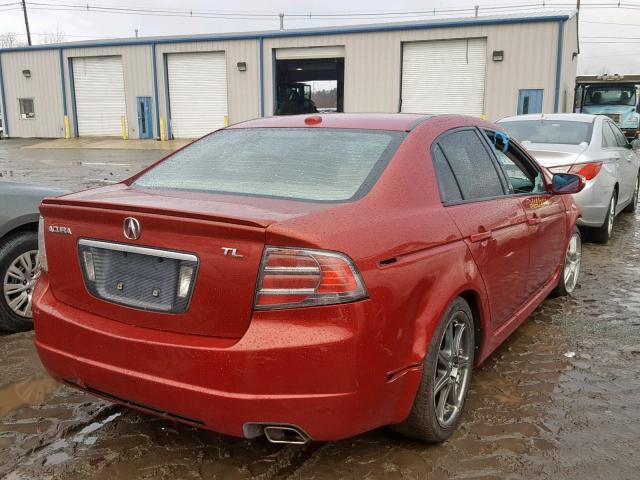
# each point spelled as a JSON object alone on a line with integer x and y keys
{"x": 572, "y": 262}
{"x": 451, "y": 379}
{"x": 19, "y": 282}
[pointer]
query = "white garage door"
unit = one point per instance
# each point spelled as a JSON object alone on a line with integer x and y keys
{"x": 197, "y": 93}
{"x": 99, "y": 91}
{"x": 444, "y": 76}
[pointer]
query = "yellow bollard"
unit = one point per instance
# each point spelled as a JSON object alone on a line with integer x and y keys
{"x": 163, "y": 133}
{"x": 67, "y": 130}
{"x": 226, "y": 120}
{"x": 123, "y": 121}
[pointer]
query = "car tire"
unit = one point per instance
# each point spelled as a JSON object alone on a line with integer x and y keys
{"x": 634, "y": 201}
{"x": 432, "y": 419}
{"x": 568, "y": 280}
{"x": 17, "y": 318}
{"x": 603, "y": 234}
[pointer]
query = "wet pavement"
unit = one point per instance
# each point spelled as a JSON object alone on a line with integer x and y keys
{"x": 559, "y": 400}
{"x": 70, "y": 168}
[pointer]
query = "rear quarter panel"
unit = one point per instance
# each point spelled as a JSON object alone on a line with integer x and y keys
{"x": 408, "y": 250}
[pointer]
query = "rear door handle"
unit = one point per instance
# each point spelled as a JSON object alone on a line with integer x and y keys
{"x": 479, "y": 237}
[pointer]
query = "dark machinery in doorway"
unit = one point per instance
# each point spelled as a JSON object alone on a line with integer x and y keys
{"x": 294, "y": 96}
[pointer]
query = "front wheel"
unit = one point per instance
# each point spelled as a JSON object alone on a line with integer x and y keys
{"x": 446, "y": 375}
{"x": 571, "y": 267}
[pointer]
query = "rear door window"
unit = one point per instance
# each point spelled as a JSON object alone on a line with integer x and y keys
{"x": 621, "y": 140}
{"x": 449, "y": 189}
{"x": 608, "y": 137}
{"x": 476, "y": 173}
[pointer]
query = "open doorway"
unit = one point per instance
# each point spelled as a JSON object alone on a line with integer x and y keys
{"x": 309, "y": 85}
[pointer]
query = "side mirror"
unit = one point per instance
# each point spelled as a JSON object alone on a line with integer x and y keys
{"x": 566, "y": 183}
{"x": 635, "y": 144}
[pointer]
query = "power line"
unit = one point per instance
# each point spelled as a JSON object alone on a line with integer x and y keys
{"x": 253, "y": 15}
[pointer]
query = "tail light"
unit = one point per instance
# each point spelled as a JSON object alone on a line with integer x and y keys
{"x": 294, "y": 277}
{"x": 587, "y": 170}
{"x": 42, "y": 252}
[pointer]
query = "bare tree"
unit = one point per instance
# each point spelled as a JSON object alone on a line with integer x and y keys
{"x": 10, "y": 39}
{"x": 53, "y": 36}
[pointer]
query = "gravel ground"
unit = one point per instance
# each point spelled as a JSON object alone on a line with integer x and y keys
{"x": 559, "y": 400}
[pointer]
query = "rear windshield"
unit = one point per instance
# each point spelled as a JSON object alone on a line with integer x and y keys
{"x": 549, "y": 131}
{"x": 295, "y": 163}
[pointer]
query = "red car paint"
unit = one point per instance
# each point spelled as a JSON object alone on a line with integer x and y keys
{"x": 336, "y": 370}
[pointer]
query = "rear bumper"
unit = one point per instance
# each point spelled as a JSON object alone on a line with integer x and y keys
{"x": 326, "y": 379}
{"x": 594, "y": 200}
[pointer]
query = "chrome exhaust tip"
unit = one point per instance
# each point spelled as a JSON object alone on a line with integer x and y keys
{"x": 277, "y": 433}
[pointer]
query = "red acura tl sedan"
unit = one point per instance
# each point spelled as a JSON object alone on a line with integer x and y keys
{"x": 305, "y": 277}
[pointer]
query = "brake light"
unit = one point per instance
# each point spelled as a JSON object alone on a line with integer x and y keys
{"x": 296, "y": 277}
{"x": 587, "y": 170}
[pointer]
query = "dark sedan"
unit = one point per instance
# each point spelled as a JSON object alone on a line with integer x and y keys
{"x": 19, "y": 251}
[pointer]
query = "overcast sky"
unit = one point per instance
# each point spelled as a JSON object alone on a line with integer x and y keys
{"x": 598, "y": 26}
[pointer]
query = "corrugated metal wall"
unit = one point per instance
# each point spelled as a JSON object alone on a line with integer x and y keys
{"x": 372, "y": 72}
{"x": 373, "y": 64}
{"x": 243, "y": 88}
{"x": 138, "y": 76}
{"x": 569, "y": 66}
{"x": 43, "y": 86}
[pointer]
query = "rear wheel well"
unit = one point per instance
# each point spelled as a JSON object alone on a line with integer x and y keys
{"x": 471, "y": 297}
{"x": 27, "y": 227}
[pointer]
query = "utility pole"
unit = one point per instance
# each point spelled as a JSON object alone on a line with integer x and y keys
{"x": 281, "y": 15}
{"x": 26, "y": 21}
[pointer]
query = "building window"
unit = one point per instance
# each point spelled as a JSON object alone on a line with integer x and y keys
{"x": 26, "y": 108}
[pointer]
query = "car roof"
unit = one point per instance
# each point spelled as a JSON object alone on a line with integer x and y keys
{"x": 366, "y": 121}
{"x": 570, "y": 117}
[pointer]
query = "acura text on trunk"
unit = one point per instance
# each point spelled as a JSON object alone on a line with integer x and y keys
{"x": 305, "y": 277}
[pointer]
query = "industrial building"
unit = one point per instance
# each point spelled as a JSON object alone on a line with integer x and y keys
{"x": 185, "y": 86}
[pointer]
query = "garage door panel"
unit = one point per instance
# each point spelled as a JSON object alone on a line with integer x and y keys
{"x": 99, "y": 94}
{"x": 444, "y": 76}
{"x": 197, "y": 92}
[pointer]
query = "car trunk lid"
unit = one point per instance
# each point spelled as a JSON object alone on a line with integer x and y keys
{"x": 224, "y": 236}
{"x": 555, "y": 155}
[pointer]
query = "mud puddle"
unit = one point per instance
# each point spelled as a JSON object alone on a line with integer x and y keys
{"x": 32, "y": 391}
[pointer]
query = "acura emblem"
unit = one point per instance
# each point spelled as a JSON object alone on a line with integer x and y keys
{"x": 131, "y": 228}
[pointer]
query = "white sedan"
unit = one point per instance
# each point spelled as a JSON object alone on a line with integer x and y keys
{"x": 588, "y": 145}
